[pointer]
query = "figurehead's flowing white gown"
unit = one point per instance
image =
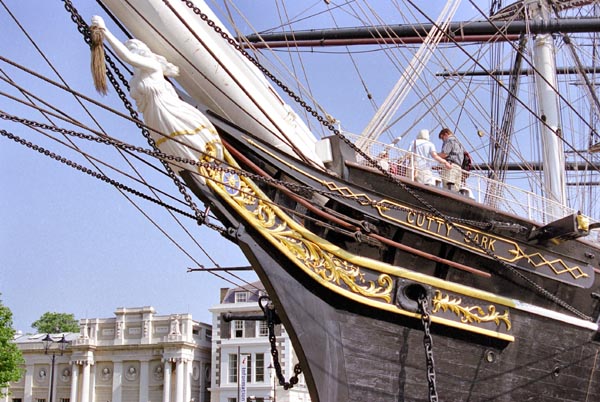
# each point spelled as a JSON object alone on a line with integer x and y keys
{"x": 177, "y": 127}
{"x": 165, "y": 112}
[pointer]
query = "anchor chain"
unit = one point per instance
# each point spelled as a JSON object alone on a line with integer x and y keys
{"x": 323, "y": 120}
{"x": 428, "y": 343}
{"x": 85, "y": 31}
{"x": 295, "y": 187}
{"x": 269, "y": 309}
{"x": 103, "y": 139}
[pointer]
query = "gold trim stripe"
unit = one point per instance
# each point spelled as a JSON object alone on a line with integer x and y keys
{"x": 328, "y": 264}
{"x": 513, "y": 255}
{"x": 164, "y": 139}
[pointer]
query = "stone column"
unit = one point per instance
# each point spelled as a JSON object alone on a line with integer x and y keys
{"x": 85, "y": 382}
{"x": 117, "y": 389}
{"x": 28, "y": 390}
{"x": 92, "y": 383}
{"x": 179, "y": 375}
{"x": 74, "y": 381}
{"x": 187, "y": 395}
{"x": 144, "y": 381}
{"x": 166, "y": 381}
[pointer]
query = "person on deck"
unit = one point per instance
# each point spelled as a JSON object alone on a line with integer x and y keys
{"x": 425, "y": 151}
{"x": 452, "y": 151}
{"x": 177, "y": 127}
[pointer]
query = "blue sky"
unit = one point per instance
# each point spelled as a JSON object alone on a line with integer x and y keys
{"x": 70, "y": 243}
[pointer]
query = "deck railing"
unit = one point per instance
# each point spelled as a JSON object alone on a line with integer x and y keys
{"x": 502, "y": 196}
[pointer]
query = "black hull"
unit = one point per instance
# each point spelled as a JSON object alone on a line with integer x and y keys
{"x": 353, "y": 357}
{"x": 357, "y": 329}
{"x": 559, "y": 267}
{"x": 350, "y": 352}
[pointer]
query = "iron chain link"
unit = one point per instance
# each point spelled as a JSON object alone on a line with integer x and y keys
{"x": 428, "y": 343}
{"x": 269, "y": 311}
{"x": 90, "y": 172}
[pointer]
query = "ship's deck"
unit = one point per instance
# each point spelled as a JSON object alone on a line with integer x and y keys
{"x": 502, "y": 196}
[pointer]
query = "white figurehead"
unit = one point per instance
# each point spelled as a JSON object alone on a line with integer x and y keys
{"x": 163, "y": 111}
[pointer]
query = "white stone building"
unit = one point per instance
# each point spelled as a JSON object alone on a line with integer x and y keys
{"x": 136, "y": 356}
{"x": 239, "y": 339}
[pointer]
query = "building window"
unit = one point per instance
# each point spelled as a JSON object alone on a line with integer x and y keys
{"x": 302, "y": 380}
{"x": 241, "y": 297}
{"x": 237, "y": 328}
{"x": 233, "y": 368}
{"x": 40, "y": 400}
{"x": 231, "y": 399}
{"x": 208, "y": 334}
{"x": 67, "y": 400}
{"x": 263, "y": 328}
{"x": 259, "y": 360}
{"x": 17, "y": 400}
{"x": 249, "y": 370}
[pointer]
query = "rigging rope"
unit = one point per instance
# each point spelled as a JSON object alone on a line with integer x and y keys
{"x": 296, "y": 188}
{"x": 65, "y": 83}
{"x": 73, "y": 145}
{"x": 354, "y": 64}
{"x": 108, "y": 180}
{"x": 324, "y": 122}
{"x": 500, "y": 137}
{"x": 408, "y": 78}
{"x": 200, "y": 216}
{"x": 530, "y": 282}
{"x": 521, "y": 102}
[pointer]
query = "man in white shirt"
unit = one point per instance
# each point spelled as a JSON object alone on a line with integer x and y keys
{"x": 425, "y": 151}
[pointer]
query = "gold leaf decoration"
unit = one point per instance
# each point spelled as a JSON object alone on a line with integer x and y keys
{"x": 469, "y": 315}
{"x": 308, "y": 253}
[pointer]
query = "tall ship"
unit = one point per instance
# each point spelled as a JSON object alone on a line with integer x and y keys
{"x": 458, "y": 274}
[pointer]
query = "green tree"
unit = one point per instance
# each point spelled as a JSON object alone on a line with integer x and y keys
{"x": 53, "y": 323}
{"x": 11, "y": 358}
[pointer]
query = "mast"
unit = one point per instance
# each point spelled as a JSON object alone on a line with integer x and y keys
{"x": 548, "y": 108}
{"x": 501, "y": 136}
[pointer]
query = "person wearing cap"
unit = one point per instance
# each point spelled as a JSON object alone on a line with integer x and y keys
{"x": 453, "y": 152}
{"x": 425, "y": 151}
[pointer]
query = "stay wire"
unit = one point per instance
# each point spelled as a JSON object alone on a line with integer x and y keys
{"x": 93, "y": 119}
{"x": 62, "y": 116}
{"x": 562, "y": 98}
{"x": 60, "y": 77}
{"x": 451, "y": 221}
{"x": 279, "y": 133}
{"x": 38, "y": 126}
{"x": 298, "y": 189}
{"x": 122, "y": 188}
{"x": 200, "y": 217}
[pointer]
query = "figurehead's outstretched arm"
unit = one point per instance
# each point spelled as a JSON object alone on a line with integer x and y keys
{"x": 136, "y": 60}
